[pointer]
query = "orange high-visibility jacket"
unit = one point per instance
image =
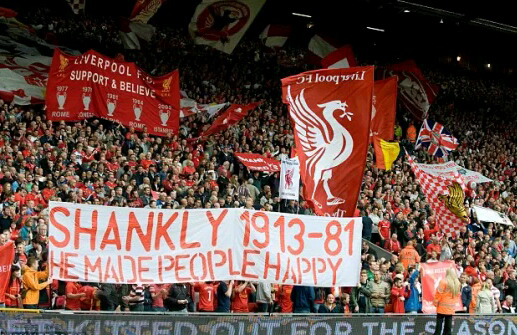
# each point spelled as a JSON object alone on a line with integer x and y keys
{"x": 444, "y": 301}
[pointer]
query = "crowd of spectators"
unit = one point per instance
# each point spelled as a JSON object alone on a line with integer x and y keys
{"x": 98, "y": 162}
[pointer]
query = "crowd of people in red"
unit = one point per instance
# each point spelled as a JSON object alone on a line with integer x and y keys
{"x": 98, "y": 162}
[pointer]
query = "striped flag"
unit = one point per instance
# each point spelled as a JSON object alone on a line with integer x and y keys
{"x": 436, "y": 139}
{"x": 385, "y": 153}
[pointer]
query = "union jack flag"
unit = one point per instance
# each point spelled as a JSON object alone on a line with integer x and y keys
{"x": 436, "y": 139}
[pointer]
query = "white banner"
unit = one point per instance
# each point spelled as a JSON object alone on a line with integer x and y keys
{"x": 449, "y": 169}
{"x": 489, "y": 215}
{"x": 221, "y": 24}
{"x": 135, "y": 245}
{"x": 290, "y": 179}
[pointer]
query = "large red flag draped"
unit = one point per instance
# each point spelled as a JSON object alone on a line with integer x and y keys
{"x": 230, "y": 117}
{"x": 331, "y": 110}
{"x": 6, "y": 259}
{"x": 416, "y": 93}
{"x": 384, "y": 108}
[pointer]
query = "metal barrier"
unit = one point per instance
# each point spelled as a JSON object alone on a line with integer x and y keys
{"x": 95, "y": 323}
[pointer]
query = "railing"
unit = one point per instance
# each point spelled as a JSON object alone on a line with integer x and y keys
{"x": 131, "y": 323}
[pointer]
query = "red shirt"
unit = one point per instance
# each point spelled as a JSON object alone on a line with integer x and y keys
{"x": 392, "y": 246}
{"x": 384, "y": 229}
{"x": 146, "y": 163}
{"x": 429, "y": 232}
{"x": 158, "y": 299}
{"x": 240, "y": 301}
{"x": 434, "y": 247}
{"x": 89, "y": 302}
{"x": 74, "y": 303}
{"x": 396, "y": 293}
{"x": 206, "y": 296}
{"x": 14, "y": 289}
{"x": 286, "y": 305}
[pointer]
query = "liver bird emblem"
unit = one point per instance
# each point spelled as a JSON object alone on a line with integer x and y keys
{"x": 63, "y": 63}
{"x": 455, "y": 201}
{"x": 324, "y": 151}
{"x": 167, "y": 84}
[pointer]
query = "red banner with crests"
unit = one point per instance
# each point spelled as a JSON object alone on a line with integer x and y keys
{"x": 93, "y": 85}
{"x": 256, "y": 162}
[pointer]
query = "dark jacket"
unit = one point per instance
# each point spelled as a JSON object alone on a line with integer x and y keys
{"x": 366, "y": 291}
{"x": 367, "y": 227}
{"x": 177, "y": 292}
{"x": 303, "y": 297}
{"x": 466, "y": 296}
{"x": 337, "y": 309}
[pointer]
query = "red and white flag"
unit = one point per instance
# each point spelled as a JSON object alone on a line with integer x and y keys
{"x": 384, "y": 108}
{"x": 24, "y": 79}
{"x": 415, "y": 92}
{"x": 136, "y": 28}
{"x": 340, "y": 58}
{"x": 432, "y": 274}
{"x": 233, "y": 115}
{"x": 256, "y": 162}
{"x": 275, "y": 35}
{"x": 320, "y": 47}
{"x": 331, "y": 112}
{"x": 221, "y": 23}
{"x": 446, "y": 196}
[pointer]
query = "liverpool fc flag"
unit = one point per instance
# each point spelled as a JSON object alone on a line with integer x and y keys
{"x": 221, "y": 23}
{"x": 330, "y": 112}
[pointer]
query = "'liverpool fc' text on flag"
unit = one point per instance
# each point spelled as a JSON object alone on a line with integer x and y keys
{"x": 436, "y": 139}
{"x": 221, "y": 24}
{"x": 331, "y": 134}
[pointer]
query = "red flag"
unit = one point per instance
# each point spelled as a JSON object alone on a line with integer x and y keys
{"x": 256, "y": 162}
{"x": 432, "y": 274}
{"x": 144, "y": 10}
{"x": 6, "y": 259}
{"x": 384, "y": 108}
{"x": 416, "y": 93}
{"x": 93, "y": 85}
{"x": 229, "y": 117}
{"x": 331, "y": 111}
{"x": 340, "y": 58}
{"x": 7, "y": 12}
{"x": 446, "y": 198}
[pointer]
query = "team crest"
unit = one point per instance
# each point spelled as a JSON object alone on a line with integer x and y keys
{"x": 221, "y": 20}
